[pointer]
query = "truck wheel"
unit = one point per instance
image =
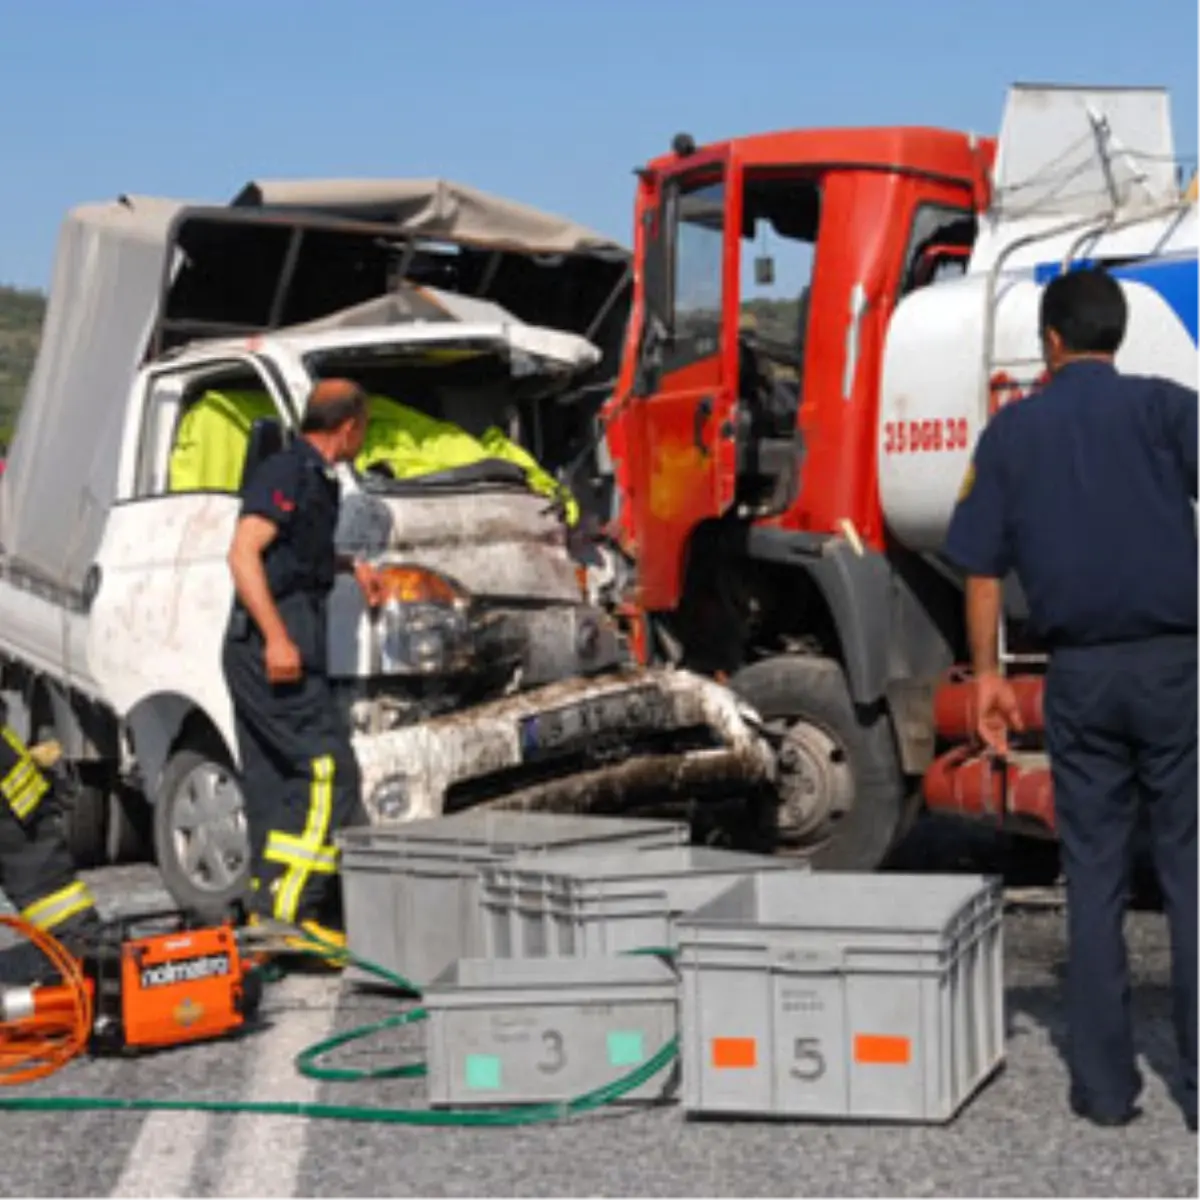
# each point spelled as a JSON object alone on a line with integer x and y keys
{"x": 130, "y": 828}
{"x": 85, "y": 825}
{"x": 200, "y": 836}
{"x": 842, "y": 798}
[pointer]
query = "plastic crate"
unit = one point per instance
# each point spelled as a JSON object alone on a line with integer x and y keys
{"x": 874, "y": 997}
{"x": 410, "y": 891}
{"x": 544, "y": 1030}
{"x": 569, "y": 905}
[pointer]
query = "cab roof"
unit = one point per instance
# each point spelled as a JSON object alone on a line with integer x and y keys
{"x": 911, "y": 149}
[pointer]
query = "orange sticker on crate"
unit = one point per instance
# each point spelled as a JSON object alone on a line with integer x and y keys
{"x": 734, "y": 1052}
{"x": 880, "y": 1050}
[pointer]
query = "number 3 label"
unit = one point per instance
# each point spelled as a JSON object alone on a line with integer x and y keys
{"x": 808, "y": 1063}
{"x": 556, "y": 1058}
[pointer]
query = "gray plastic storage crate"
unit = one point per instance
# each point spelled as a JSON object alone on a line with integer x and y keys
{"x": 411, "y": 893}
{"x": 842, "y": 996}
{"x": 543, "y": 1030}
{"x": 564, "y": 905}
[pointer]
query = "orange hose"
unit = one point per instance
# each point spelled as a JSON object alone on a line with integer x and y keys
{"x": 61, "y": 1025}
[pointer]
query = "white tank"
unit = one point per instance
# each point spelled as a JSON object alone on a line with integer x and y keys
{"x": 934, "y": 395}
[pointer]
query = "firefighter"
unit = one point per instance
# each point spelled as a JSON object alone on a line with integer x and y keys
{"x": 36, "y": 870}
{"x": 1086, "y": 491}
{"x": 299, "y": 773}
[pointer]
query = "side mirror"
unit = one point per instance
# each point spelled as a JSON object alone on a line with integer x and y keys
{"x": 266, "y": 438}
{"x": 764, "y": 271}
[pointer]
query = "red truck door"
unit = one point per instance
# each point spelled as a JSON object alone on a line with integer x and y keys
{"x": 685, "y": 392}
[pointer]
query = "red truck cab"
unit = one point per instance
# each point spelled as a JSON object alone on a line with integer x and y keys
{"x": 745, "y": 457}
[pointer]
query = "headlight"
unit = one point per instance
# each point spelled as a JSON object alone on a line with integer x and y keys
{"x": 391, "y": 799}
{"x": 423, "y": 626}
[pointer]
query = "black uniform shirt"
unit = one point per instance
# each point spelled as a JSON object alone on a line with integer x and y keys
{"x": 1085, "y": 490}
{"x": 298, "y": 492}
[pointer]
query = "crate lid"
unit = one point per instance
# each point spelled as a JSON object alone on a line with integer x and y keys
{"x": 522, "y": 973}
{"x": 642, "y": 864}
{"x": 803, "y": 900}
{"x": 504, "y": 832}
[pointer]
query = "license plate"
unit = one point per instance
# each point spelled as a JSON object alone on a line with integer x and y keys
{"x": 590, "y": 725}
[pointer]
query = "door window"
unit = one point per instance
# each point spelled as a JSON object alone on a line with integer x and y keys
{"x": 196, "y": 429}
{"x": 781, "y": 214}
{"x": 698, "y": 270}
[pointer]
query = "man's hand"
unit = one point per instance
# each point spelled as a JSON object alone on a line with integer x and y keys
{"x": 997, "y": 711}
{"x": 282, "y": 660}
{"x": 371, "y": 583}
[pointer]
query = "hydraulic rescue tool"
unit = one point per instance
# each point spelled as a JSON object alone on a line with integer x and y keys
{"x": 144, "y": 982}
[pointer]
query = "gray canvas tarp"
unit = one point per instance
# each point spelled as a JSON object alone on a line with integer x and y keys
{"x": 436, "y": 209}
{"x": 60, "y": 475}
{"x": 61, "y": 471}
{"x": 405, "y": 305}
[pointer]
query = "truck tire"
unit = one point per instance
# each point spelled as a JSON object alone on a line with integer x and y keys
{"x": 842, "y": 801}
{"x": 85, "y": 824}
{"x": 130, "y": 828}
{"x": 200, "y": 838}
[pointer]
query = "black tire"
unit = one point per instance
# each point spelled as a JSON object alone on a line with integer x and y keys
{"x": 812, "y": 691}
{"x": 1031, "y": 861}
{"x": 130, "y": 828}
{"x": 85, "y": 824}
{"x": 221, "y": 841}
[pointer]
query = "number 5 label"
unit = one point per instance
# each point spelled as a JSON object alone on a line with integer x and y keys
{"x": 808, "y": 1063}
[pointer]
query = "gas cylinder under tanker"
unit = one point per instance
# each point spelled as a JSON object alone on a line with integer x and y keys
{"x": 957, "y": 349}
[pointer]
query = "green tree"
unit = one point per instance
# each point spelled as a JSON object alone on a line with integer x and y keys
{"x": 21, "y": 314}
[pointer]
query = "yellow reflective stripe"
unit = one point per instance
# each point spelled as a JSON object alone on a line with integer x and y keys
{"x": 19, "y": 747}
{"x": 17, "y": 777}
{"x": 311, "y": 841}
{"x": 24, "y": 784}
{"x": 59, "y": 906}
{"x": 28, "y": 798}
{"x": 290, "y": 851}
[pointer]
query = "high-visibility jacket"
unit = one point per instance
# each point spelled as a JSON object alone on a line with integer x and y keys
{"x": 210, "y": 445}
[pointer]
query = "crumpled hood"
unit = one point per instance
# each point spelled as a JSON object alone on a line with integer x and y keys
{"x": 496, "y": 540}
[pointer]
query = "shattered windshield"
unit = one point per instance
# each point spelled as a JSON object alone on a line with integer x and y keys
{"x": 451, "y": 414}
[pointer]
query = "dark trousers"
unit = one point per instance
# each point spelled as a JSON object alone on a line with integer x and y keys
{"x": 37, "y": 872}
{"x": 301, "y": 783}
{"x": 1121, "y": 725}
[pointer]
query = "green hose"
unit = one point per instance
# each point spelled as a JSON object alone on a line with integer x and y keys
{"x": 306, "y": 1065}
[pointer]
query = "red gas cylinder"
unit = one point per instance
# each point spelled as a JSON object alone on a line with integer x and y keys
{"x": 954, "y": 709}
{"x": 968, "y": 784}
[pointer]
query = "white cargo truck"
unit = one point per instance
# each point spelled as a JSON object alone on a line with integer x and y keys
{"x": 492, "y": 677}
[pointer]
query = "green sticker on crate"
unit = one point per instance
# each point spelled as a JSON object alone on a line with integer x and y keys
{"x": 625, "y": 1049}
{"x": 483, "y": 1072}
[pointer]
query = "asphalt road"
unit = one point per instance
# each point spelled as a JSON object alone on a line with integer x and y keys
{"x": 1015, "y": 1138}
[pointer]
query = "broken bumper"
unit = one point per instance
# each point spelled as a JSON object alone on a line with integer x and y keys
{"x": 582, "y": 745}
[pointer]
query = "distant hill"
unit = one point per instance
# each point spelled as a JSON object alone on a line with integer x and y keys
{"x": 21, "y": 314}
{"x": 777, "y": 320}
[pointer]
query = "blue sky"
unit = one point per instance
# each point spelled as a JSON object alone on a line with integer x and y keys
{"x": 548, "y": 101}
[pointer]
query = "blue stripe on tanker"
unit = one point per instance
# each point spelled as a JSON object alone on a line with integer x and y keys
{"x": 1173, "y": 278}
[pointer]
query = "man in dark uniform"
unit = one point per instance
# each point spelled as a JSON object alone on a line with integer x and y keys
{"x": 36, "y": 870}
{"x": 1086, "y": 491}
{"x": 300, "y": 777}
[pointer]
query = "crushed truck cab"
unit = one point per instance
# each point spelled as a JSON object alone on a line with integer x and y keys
{"x": 485, "y": 335}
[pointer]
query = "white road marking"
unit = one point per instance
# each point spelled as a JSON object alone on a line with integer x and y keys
{"x": 161, "y": 1159}
{"x": 264, "y": 1154}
